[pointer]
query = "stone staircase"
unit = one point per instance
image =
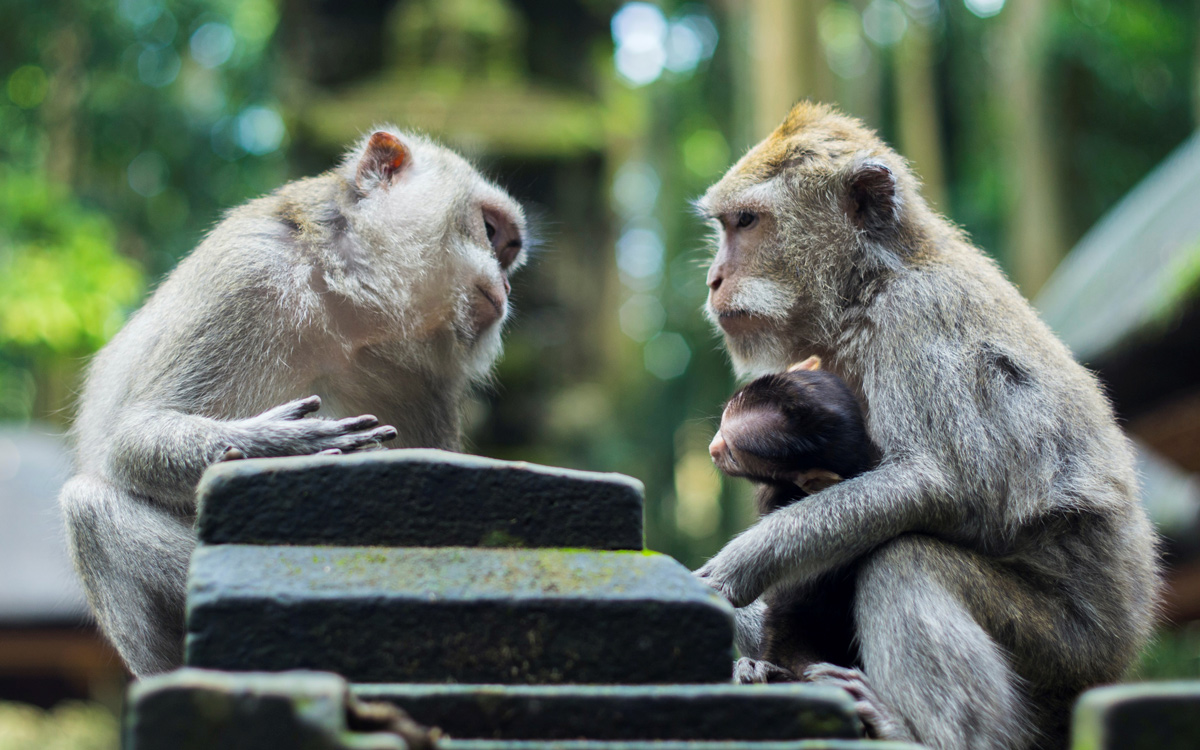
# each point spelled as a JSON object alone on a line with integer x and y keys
{"x": 509, "y": 605}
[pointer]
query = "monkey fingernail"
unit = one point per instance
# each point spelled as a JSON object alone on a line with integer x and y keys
{"x": 232, "y": 454}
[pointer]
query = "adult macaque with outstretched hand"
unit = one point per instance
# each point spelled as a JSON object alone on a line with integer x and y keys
{"x": 376, "y": 289}
{"x": 1004, "y": 563}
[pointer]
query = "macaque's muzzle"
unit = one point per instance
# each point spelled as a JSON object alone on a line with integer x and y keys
{"x": 489, "y": 304}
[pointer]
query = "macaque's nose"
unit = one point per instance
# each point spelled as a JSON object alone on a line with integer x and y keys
{"x": 717, "y": 448}
{"x": 716, "y": 274}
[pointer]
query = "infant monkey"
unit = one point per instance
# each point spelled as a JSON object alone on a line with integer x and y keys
{"x": 795, "y": 433}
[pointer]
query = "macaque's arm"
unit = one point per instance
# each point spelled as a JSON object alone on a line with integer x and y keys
{"x": 803, "y": 540}
{"x": 161, "y": 453}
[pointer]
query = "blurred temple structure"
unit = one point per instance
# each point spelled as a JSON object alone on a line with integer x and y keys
{"x": 49, "y": 651}
{"x": 1127, "y": 302}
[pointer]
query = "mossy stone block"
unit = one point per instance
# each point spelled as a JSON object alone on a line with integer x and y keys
{"x": 453, "y": 614}
{"x": 417, "y": 498}
{"x": 643, "y": 712}
{"x": 1145, "y": 716}
{"x": 196, "y": 709}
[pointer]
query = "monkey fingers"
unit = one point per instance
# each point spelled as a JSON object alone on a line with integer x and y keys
{"x": 283, "y": 431}
{"x": 758, "y": 672}
{"x": 877, "y": 718}
{"x": 292, "y": 409}
{"x": 348, "y": 435}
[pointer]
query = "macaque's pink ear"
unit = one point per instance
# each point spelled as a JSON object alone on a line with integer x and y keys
{"x": 871, "y": 197}
{"x": 384, "y": 157}
{"x": 812, "y": 363}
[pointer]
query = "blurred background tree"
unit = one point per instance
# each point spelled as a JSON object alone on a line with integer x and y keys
{"x": 127, "y": 127}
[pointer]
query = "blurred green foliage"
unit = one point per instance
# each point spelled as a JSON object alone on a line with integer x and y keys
{"x": 63, "y": 287}
{"x": 125, "y": 128}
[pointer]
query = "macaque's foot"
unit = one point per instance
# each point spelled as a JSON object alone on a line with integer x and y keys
{"x": 758, "y": 672}
{"x": 876, "y": 717}
{"x": 284, "y": 431}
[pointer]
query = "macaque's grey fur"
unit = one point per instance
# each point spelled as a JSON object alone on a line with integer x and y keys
{"x": 376, "y": 286}
{"x": 1006, "y": 564}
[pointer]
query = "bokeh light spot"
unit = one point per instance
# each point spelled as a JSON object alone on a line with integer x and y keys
{"x": 884, "y": 22}
{"x": 984, "y": 8}
{"x": 635, "y": 188}
{"x": 212, "y": 44}
{"x": 260, "y": 130}
{"x": 640, "y": 254}
{"x": 705, "y": 152}
{"x": 27, "y": 86}
{"x": 642, "y": 317}
{"x": 158, "y": 66}
{"x": 667, "y": 356}
{"x": 147, "y": 174}
{"x": 639, "y": 31}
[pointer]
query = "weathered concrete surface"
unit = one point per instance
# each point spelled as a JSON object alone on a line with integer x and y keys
{"x": 194, "y": 709}
{"x": 456, "y": 615}
{"x": 417, "y": 498}
{"x": 675, "y": 712}
{"x": 453, "y": 744}
{"x": 1145, "y": 716}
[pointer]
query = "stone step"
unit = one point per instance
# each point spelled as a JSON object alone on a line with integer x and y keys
{"x": 1145, "y": 716}
{"x": 417, "y": 498}
{"x": 675, "y": 712}
{"x": 453, "y": 744}
{"x": 452, "y": 614}
{"x": 196, "y": 709}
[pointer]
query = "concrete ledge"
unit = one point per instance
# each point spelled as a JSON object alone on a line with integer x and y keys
{"x": 451, "y": 614}
{"x": 195, "y": 709}
{"x": 417, "y": 498}
{"x": 676, "y": 712}
{"x": 1144, "y": 716}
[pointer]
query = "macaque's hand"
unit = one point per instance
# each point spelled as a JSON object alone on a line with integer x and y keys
{"x": 283, "y": 431}
{"x": 736, "y": 572}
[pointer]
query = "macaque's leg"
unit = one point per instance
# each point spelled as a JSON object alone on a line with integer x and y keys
{"x": 748, "y": 628}
{"x": 930, "y": 672}
{"x": 133, "y": 558}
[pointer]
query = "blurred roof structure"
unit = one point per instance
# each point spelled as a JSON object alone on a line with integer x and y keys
{"x": 37, "y": 583}
{"x": 1136, "y": 267}
{"x": 1127, "y": 302}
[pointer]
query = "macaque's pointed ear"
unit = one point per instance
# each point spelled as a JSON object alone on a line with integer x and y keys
{"x": 812, "y": 363}
{"x": 871, "y": 197}
{"x": 385, "y": 156}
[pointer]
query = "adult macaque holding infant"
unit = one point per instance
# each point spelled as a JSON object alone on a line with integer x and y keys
{"x": 1002, "y": 561}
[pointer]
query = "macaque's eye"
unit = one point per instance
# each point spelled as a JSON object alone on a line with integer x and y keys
{"x": 490, "y": 229}
{"x": 746, "y": 218}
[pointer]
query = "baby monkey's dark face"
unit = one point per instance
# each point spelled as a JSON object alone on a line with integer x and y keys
{"x": 783, "y": 427}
